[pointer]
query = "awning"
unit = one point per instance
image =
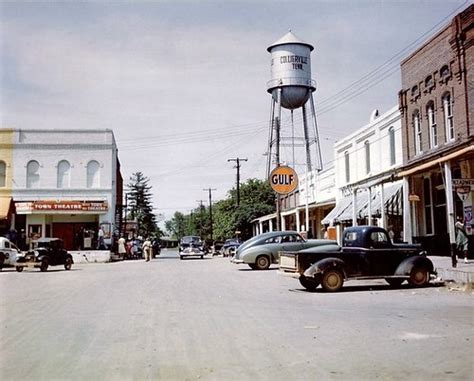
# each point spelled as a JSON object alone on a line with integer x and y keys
{"x": 340, "y": 207}
{"x": 392, "y": 194}
{"x": 5, "y": 205}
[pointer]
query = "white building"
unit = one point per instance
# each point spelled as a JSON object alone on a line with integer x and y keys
{"x": 365, "y": 165}
{"x": 64, "y": 183}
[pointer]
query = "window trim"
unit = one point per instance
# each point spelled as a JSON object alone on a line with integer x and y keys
{"x": 432, "y": 126}
{"x": 3, "y": 175}
{"x": 418, "y": 133}
{"x": 392, "y": 145}
{"x": 448, "y": 117}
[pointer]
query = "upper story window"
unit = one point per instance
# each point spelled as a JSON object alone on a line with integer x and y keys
{"x": 432, "y": 128}
{"x": 64, "y": 174}
{"x": 32, "y": 174}
{"x": 3, "y": 174}
{"x": 348, "y": 169}
{"x": 417, "y": 133}
{"x": 93, "y": 174}
{"x": 367, "y": 156}
{"x": 391, "y": 137}
{"x": 448, "y": 117}
{"x": 415, "y": 91}
{"x": 429, "y": 83}
{"x": 444, "y": 73}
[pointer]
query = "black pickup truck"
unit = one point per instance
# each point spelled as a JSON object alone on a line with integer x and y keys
{"x": 367, "y": 253}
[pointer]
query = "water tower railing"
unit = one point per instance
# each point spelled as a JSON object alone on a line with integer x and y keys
{"x": 291, "y": 81}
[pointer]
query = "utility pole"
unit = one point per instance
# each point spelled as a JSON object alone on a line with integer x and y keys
{"x": 210, "y": 207}
{"x": 200, "y": 217}
{"x": 238, "y": 160}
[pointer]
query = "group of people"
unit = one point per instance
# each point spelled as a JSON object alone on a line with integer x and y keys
{"x": 135, "y": 248}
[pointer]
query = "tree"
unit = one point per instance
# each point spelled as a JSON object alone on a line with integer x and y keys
{"x": 141, "y": 208}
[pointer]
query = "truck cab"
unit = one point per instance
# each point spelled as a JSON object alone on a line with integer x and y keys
{"x": 8, "y": 252}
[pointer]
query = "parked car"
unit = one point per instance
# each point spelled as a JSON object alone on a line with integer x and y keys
{"x": 46, "y": 252}
{"x": 261, "y": 251}
{"x": 8, "y": 253}
{"x": 367, "y": 253}
{"x": 230, "y": 246}
{"x": 191, "y": 246}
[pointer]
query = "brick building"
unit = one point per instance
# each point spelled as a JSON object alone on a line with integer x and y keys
{"x": 436, "y": 103}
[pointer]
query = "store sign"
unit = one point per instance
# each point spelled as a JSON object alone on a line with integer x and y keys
{"x": 61, "y": 206}
{"x": 463, "y": 182}
{"x": 283, "y": 180}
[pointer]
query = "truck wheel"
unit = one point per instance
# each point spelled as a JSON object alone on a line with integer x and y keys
{"x": 332, "y": 280}
{"x": 68, "y": 264}
{"x": 44, "y": 265}
{"x": 252, "y": 266}
{"x": 309, "y": 283}
{"x": 19, "y": 268}
{"x": 2, "y": 260}
{"x": 394, "y": 282}
{"x": 181, "y": 257}
{"x": 262, "y": 262}
{"x": 419, "y": 277}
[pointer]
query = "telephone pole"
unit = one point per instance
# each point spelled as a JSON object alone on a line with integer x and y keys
{"x": 238, "y": 160}
{"x": 200, "y": 217}
{"x": 210, "y": 207}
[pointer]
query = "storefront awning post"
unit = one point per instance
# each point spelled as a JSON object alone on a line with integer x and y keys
{"x": 382, "y": 206}
{"x": 407, "y": 232}
{"x": 354, "y": 207}
{"x": 448, "y": 186}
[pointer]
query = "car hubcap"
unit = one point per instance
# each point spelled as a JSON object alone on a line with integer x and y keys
{"x": 332, "y": 280}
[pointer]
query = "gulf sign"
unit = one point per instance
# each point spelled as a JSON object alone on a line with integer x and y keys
{"x": 283, "y": 180}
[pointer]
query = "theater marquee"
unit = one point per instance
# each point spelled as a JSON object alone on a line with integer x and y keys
{"x": 60, "y": 206}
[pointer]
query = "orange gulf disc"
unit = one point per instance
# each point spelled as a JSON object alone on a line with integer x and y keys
{"x": 283, "y": 180}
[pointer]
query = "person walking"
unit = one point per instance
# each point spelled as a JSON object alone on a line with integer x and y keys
{"x": 121, "y": 247}
{"x": 147, "y": 249}
{"x": 462, "y": 240}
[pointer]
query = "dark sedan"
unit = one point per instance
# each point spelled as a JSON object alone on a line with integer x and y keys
{"x": 46, "y": 252}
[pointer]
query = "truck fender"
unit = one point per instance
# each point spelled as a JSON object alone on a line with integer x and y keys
{"x": 318, "y": 268}
{"x": 407, "y": 265}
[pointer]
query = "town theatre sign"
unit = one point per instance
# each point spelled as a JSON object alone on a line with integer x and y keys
{"x": 61, "y": 206}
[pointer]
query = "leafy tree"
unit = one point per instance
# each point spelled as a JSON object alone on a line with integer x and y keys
{"x": 140, "y": 205}
{"x": 176, "y": 227}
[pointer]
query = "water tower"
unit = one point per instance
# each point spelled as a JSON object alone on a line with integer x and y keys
{"x": 291, "y": 87}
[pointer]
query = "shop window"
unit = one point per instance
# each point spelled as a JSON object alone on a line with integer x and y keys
{"x": 93, "y": 173}
{"x": 32, "y": 174}
{"x": 348, "y": 169}
{"x": 367, "y": 156}
{"x": 428, "y": 206}
{"x": 391, "y": 137}
{"x": 448, "y": 117}
{"x": 64, "y": 174}
{"x": 3, "y": 174}
{"x": 432, "y": 127}
{"x": 417, "y": 132}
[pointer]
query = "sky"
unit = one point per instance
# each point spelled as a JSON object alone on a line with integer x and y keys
{"x": 182, "y": 84}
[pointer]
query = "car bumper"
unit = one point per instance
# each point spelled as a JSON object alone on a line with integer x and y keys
{"x": 289, "y": 274}
{"x": 237, "y": 261}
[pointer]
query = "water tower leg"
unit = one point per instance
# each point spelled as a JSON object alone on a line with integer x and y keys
{"x": 277, "y": 155}
{"x": 306, "y": 140}
{"x": 319, "y": 158}
{"x": 270, "y": 138}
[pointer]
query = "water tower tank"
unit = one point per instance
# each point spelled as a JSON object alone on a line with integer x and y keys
{"x": 291, "y": 71}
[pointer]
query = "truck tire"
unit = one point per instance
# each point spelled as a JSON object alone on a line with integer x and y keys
{"x": 262, "y": 262}
{"x": 394, "y": 282}
{"x": 68, "y": 264}
{"x": 2, "y": 260}
{"x": 44, "y": 265}
{"x": 332, "y": 280}
{"x": 309, "y": 283}
{"x": 19, "y": 268}
{"x": 419, "y": 276}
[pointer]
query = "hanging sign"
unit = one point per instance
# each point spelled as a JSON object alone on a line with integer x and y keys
{"x": 463, "y": 192}
{"x": 283, "y": 180}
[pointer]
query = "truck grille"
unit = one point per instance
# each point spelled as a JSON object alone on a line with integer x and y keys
{"x": 287, "y": 262}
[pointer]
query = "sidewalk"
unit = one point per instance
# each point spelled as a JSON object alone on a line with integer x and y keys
{"x": 463, "y": 274}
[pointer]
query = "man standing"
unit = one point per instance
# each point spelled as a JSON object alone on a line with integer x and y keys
{"x": 121, "y": 247}
{"x": 147, "y": 249}
{"x": 461, "y": 240}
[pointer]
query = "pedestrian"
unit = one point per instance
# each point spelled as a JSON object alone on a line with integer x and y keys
{"x": 121, "y": 247}
{"x": 462, "y": 240}
{"x": 391, "y": 233}
{"x": 147, "y": 249}
{"x": 100, "y": 239}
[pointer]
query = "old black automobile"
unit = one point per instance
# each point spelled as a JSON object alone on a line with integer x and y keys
{"x": 367, "y": 253}
{"x": 46, "y": 252}
{"x": 191, "y": 246}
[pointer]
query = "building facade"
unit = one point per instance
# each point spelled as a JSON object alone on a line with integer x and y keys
{"x": 62, "y": 183}
{"x": 436, "y": 103}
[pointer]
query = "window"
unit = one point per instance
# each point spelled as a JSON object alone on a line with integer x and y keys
{"x": 448, "y": 117}
{"x": 348, "y": 170}
{"x": 429, "y": 83}
{"x": 417, "y": 130}
{"x": 3, "y": 174}
{"x": 93, "y": 173}
{"x": 430, "y": 111}
{"x": 379, "y": 239}
{"x": 428, "y": 205}
{"x": 32, "y": 174}
{"x": 367, "y": 156}
{"x": 391, "y": 137}
{"x": 64, "y": 174}
{"x": 414, "y": 91}
{"x": 444, "y": 73}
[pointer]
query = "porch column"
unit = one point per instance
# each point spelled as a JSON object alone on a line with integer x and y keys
{"x": 382, "y": 207}
{"x": 298, "y": 226}
{"x": 407, "y": 232}
{"x": 260, "y": 227}
{"x": 270, "y": 224}
{"x": 354, "y": 207}
{"x": 283, "y": 223}
{"x": 369, "y": 205}
{"x": 449, "y": 203}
